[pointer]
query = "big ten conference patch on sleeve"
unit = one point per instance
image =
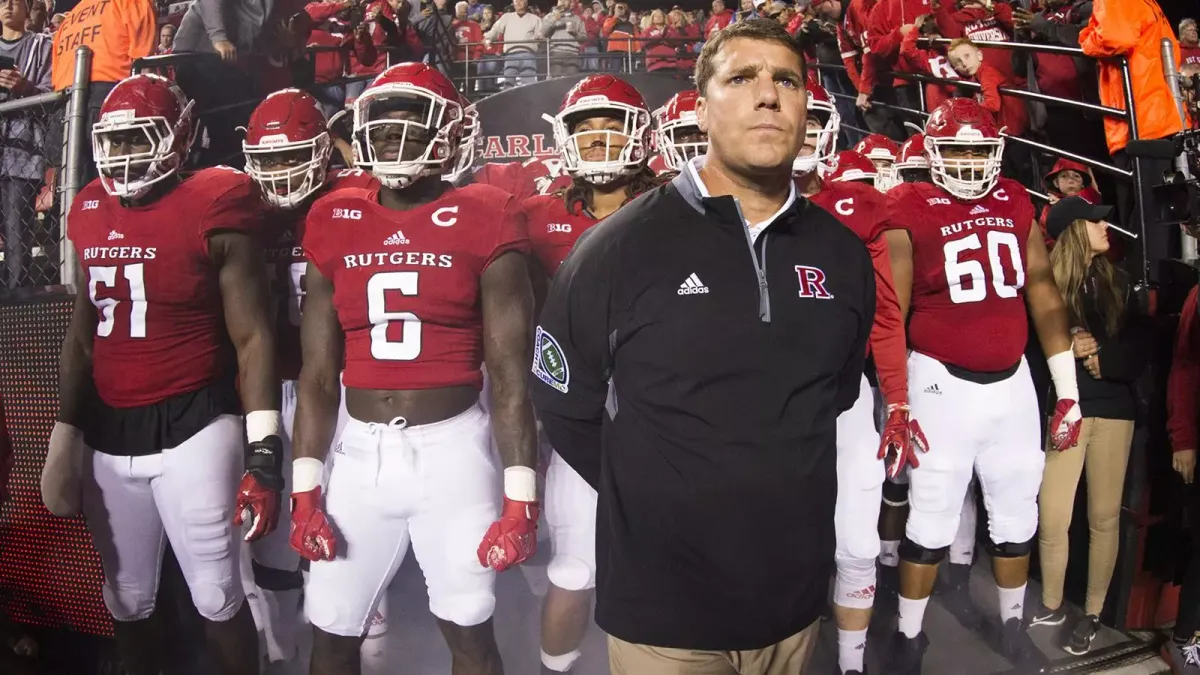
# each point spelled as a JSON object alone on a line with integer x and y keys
{"x": 549, "y": 364}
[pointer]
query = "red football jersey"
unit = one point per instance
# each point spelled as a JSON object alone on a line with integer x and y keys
{"x": 863, "y": 209}
{"x": 508, "y": 176}
{"x": 286, "y": 266}
{"x": 969, "y": 264}
{"x": 548, "y": 174}
{"x": 406, "y": 283}
{"x": 553, "y": 230}
{"x": 161, "y": 329}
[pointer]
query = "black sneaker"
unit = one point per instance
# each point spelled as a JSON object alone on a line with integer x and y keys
{"x": 907, "y": 654}
{"x": 1044, "y": 616}
{"x": 955, "y": 596}
{"x": 1184, "y": 657}
{"x": 1017, "y": 647}
{"x": 1080, "y": 640}
{"x": 887, "y": 590}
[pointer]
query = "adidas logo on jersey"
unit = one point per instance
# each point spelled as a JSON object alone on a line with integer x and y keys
{"x": 396, "y": 239}
{"x": 113, "y": 234}
{"x": 933, "y": 389}
{"x": 978, "y": 210}
{"x": 692, "y": 286}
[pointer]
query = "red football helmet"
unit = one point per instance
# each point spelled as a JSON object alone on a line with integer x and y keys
{"x": 965, "y": 128}
{"x": 603, "y": 96}
{"x": 823, "y": 141}
{"x": 287, "y": 146}
{"x": 849, "y": 165}
{"x": 471, "y": 143}
{"x": 408, "y": 124}
{"x": 912, "y": 165}
{"x": 141, "y": 110}
{"x": 679, "y": 136}
{"x": 883, "y": 151}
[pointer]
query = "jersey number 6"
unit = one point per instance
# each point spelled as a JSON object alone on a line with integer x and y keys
{"x": 976, "y": 291}
{"x": 408, "y": 347}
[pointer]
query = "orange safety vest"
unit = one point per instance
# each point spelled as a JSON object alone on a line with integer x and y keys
{"x": 1134, "y": 29}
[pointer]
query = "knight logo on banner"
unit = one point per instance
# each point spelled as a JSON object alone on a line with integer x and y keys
{"x": 513, "y": 128}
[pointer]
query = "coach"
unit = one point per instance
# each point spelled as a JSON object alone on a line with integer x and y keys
{"x": 731, "y": 316}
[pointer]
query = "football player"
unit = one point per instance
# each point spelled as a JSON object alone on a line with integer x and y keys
{"x": 602, "y": 132}
{"x": 860, "y": 448}
{"x": 976, "y": 259}
{"x": 882, "y": 151}
{"x": 510, "y": 177}
{"x": 170, "y": 275}
{"x": 848, "y": 166}
{"x": 287, "y": 149}
{"x": 679, "y": 137}
{"x": 912, "y": 166}
{"x": 420, "y": 283}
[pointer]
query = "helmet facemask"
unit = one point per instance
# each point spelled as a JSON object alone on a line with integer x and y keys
{"x": 468, "y": 147}
{"x": 681, "y": 141}
{"x": 823, "y": 141}
{"x": 288, "y": 171}
{"x": 131, "y": 175}
{"x": 403, "y": 133}
{"x": 965, "y": 177}
{"x": 574, "y": 145}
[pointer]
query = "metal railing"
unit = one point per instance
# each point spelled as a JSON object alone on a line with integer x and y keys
{"x": 536, "y": 60}
{"x": 1141, "y": 273}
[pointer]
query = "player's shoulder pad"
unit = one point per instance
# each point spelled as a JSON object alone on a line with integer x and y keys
{"x": 539, "y": 203}
{"x": 481, "y": 194}
{"x": 1011, "y": 188}
{"x": 217, "y": 180}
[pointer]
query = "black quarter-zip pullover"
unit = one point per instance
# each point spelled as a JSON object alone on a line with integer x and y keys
{"x": 730, "y": 357}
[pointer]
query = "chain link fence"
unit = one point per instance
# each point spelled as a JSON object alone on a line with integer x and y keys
{"x": 30, "y": 227}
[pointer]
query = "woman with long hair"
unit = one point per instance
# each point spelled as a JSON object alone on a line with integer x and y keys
{"x": 1110, "y": 343}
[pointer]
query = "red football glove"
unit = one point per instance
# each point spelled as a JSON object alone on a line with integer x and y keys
{"x": 311, "y": 536}
{"x": 512, "y": 539}
{"x": 900, "y": 440}
{"x": 1064, "y": 426}
{"x": 261, "y": 503}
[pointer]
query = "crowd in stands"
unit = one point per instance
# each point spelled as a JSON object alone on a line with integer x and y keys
{"x": 334, "y": 47}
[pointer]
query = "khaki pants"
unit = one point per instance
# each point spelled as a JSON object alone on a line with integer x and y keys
{"x": 783, "y": 658}
{"x": 1103, "y": 449}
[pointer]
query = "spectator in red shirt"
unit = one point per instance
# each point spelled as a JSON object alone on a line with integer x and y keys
{"x": 662, "y": 43}
{"x": 394, "y": 38}
{"x": 930, "y": 62}
{"x": 980, "y": 22}
{"x": 852, "y": 41}
{"x": 969, "y": 62}
{"x": 719, "y": 18}
{"x": 467, "y": 33}
{"x": 591, "y": 45}
{"x": 337, "y": 50}
{"x": 888, "y": 23}
{"x": 1189, "y": 42}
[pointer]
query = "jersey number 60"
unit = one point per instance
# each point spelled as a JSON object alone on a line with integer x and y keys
{"x": 977, "y": 290}
{"x": 408, "y": 347}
